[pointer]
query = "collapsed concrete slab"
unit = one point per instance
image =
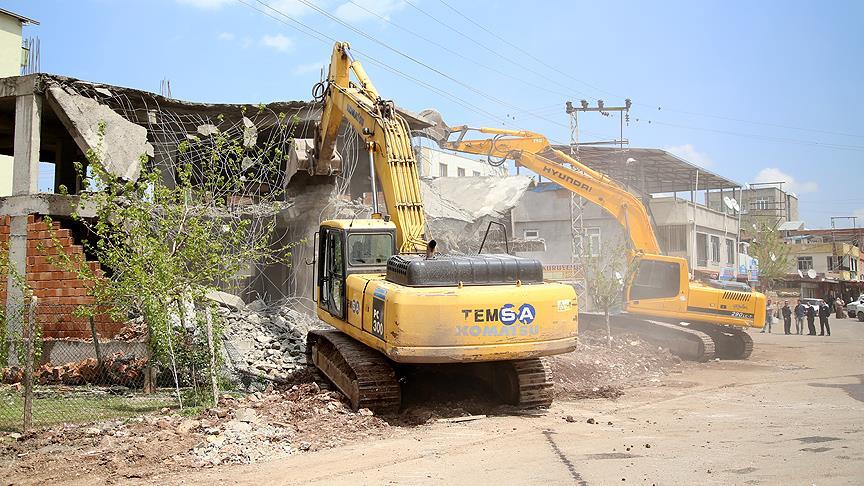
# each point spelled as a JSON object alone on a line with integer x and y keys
{"x": 119, "y": 143}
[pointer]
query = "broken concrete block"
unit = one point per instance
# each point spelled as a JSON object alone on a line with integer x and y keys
{"x": 123, "y": 142}
{"x": 226, "y": 299}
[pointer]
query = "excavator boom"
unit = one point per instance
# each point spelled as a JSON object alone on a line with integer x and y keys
{"x": 387, "y": 140}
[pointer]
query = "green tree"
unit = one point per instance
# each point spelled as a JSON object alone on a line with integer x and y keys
{"x": 166, "y": 244}
{"x": 769, "y": 248}
{"x": 608, "y": 270}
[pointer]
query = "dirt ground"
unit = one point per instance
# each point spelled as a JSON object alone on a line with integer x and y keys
{"x": 789, "y": 415}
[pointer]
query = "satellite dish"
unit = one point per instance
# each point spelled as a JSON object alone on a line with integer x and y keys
{"x": 727, "y": 201}
{"x": 773, "y": 256}
{"x": 800, "y": 274}
{"x": 811, "y": 273}
{"x": 735, "y": 205}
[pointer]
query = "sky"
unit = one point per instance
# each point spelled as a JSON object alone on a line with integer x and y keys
{"x": 754, "y": 91}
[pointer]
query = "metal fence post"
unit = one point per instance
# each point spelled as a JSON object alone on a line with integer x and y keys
{"x": 211, "y": 348}
{"x": 28, "y": 366}
{"x": 97, "y": 349}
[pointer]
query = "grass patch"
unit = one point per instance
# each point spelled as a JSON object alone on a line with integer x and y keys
{"x": 84, "y": 404}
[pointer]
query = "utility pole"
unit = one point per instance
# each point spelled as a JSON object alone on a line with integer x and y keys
{"x": 577, "y": 203}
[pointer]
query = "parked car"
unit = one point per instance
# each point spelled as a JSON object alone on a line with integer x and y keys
{"x": 856, "y": 308}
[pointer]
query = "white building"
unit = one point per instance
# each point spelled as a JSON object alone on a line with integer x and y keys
{"x": 437, "y": 163}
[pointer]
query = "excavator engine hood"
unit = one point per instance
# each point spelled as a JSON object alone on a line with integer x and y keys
{"x": 459, "y": 270}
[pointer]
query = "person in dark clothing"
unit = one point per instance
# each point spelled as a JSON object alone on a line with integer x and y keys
{"x": 811, "y": 317}
{"x": 800, "y": 313}
{"x": 824, "y": 313}
{"x": 787, "y": 317}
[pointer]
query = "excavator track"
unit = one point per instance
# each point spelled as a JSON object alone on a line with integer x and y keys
{"x": 524, "y": 383}
{"x": 729, "y": 342}
{"x": 683, "y": 341}
{"x": 364, "y": 375}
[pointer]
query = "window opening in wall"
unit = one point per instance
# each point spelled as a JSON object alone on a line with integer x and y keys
{"x": 531, "y": 234}
{"x": 715, "y": 249}
{"x": 701, "y": 250}
{"x": 475, "y": 173}
{"x": 460, "y": 172}
{"x": 442, "y": 170}
{"x": 591, "y": 245}
{"x": 805, "y": 263}
{"x": 730, "y": 251}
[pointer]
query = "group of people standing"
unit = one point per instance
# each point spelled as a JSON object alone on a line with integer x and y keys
{"x": 801, "y": 311}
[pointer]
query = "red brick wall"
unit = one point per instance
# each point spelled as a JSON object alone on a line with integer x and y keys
{"x": 59, "y": 292}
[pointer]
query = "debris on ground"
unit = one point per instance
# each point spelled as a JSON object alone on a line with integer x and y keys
{"x": 265, "y": 341}
{"x": 595, "y": 370}
{"x": 241, "y": 430}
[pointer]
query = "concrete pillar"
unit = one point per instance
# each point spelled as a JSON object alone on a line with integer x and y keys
{"x": 17, "y": 273}
{"x": 28, "y": 124}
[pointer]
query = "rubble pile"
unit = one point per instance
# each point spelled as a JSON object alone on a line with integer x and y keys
{"x": 265, "y": 341}
{"x": 117, "y": 369}
{"x": 596, "y": 371}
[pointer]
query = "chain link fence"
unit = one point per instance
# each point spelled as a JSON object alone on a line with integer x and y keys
{"x": 57, "y": 366}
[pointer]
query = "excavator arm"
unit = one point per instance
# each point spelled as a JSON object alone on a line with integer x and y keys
{"x": 533, "y": 151}
{"x": 387, "y": 139}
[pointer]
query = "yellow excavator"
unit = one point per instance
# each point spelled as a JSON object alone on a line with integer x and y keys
{"x": 393, "y": 301}
{"x": 716, "y": 313}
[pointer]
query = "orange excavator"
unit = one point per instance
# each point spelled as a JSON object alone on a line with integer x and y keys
{"x": 659, "y": 295}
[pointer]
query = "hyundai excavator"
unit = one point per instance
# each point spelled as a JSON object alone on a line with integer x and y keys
{"x": 393, "y": 301}
{"x": 659, "y": 296}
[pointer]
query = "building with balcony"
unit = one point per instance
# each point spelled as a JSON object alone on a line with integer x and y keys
{"x": 675, "y": 193}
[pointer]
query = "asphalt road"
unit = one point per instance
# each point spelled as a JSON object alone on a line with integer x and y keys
{"x": 792, "y": 414}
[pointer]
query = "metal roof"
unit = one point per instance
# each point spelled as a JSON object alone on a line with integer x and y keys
{"x": 23, "y": 19}
{"x": 663, "y": 171}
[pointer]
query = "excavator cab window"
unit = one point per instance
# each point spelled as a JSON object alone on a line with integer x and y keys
{"x": 369, "y": 249}
{"x": 656, "y": 280}
{"x": 331, "y": 280}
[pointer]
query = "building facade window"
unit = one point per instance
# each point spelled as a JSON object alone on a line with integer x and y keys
{"x": 475, "y": 173}
{"x": 701, "y": 250}
{"x": 591, "y": 242}
{"x": 730, "y": 251}
{"x": 442, "y": 170}
{"x": 761, "y": 203}
{"x": 673, "y": 237}
{"x": 531, "y": 234}
{"x": 805, "y": 263}
{"x": 715, "y": 249}
{"x": 460, "y": 172}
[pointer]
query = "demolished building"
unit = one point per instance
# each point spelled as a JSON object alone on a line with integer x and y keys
{"x": 51, "y": 122}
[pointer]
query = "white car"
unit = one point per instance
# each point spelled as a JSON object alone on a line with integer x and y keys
{"x": 856, "y": 308}
{"x": 814, "y": 303}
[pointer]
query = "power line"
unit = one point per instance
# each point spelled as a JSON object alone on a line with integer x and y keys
{"x": 324, "y": 38}
{"x": 645, "y": 104}
{"x": 416, "y": 61}
{"x": 762, "y": 137}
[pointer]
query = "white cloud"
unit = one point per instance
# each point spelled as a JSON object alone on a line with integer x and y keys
{"x": 312, "y": 67}
{"x": 773, "y": 174}
{"x": 352, "y": 13}
{"x": 690, "y": 154}
{"x": 206, "y": 4}
{"x": 279, "y": 42}
{"x": 226, "y": 36}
